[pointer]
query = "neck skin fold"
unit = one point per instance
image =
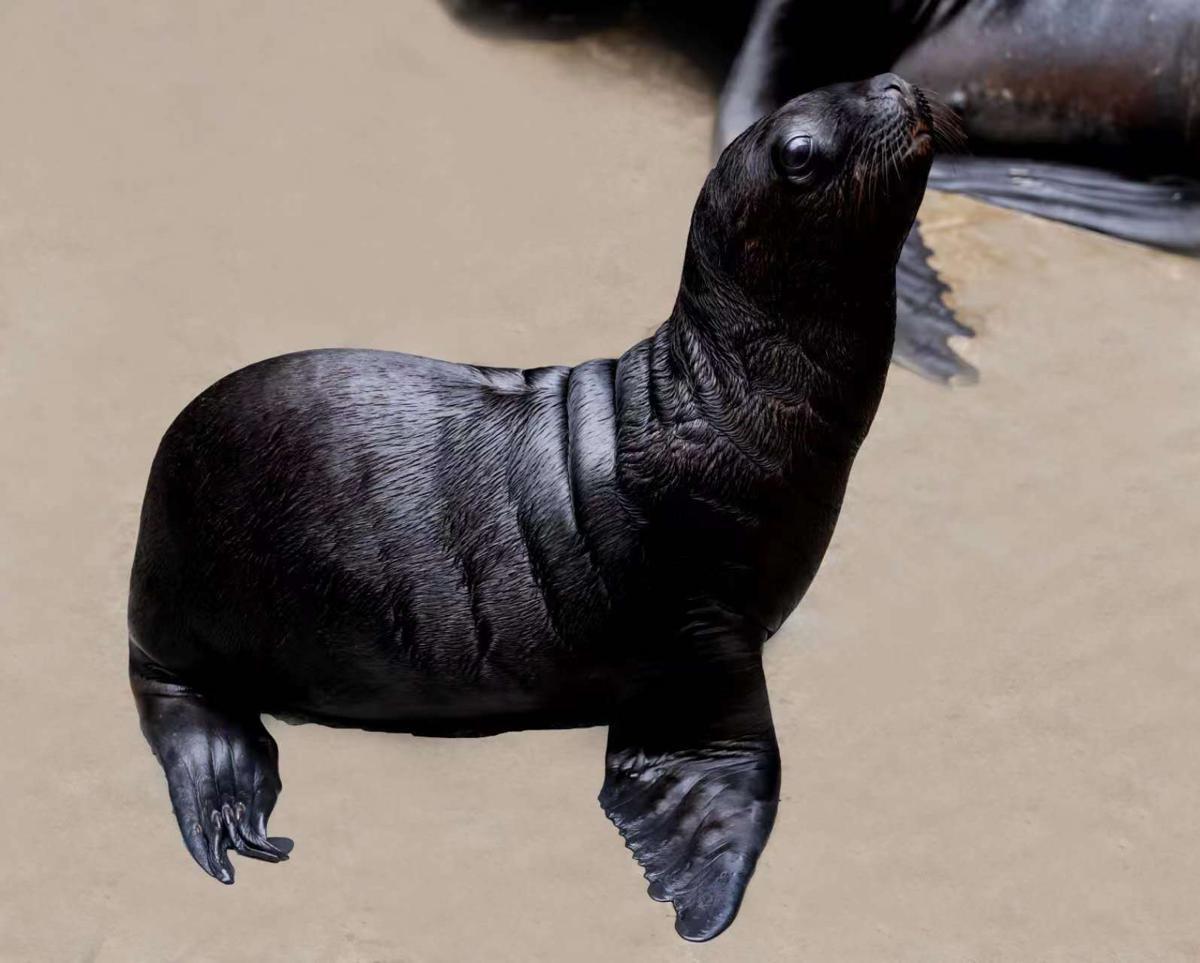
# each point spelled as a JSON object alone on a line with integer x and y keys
{"x": 796, "y": 370}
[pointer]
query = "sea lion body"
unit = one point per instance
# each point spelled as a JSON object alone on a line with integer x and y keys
{"x": 373, "y": 539}
{"x": 440, "y": 564}
{"x": 1103, "y": 81}
{"x": 407, "y": 543}
{"x": 1091, "y": 81}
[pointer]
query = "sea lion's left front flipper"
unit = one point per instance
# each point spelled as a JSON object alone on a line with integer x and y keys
{"x": 924, "y": 322}
{"x": 692, "y": 782}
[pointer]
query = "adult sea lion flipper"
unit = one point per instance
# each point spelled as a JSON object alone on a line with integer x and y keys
{"x": 924, "y": 322}
{"x": 692, "y": 783}
{"x": 1163, "y": 213}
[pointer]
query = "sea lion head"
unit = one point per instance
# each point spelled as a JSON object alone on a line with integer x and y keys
{"x": 820, "y": 195}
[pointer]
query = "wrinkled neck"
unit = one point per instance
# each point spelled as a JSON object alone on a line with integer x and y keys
{"x": 801, "y": 360}
{"x": 838, "y": 305}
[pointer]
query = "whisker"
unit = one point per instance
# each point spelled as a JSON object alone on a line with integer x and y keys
{"x": 945, "y": 125}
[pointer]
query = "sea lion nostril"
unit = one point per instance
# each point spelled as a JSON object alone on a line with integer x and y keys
{"x": 889, "y": 85}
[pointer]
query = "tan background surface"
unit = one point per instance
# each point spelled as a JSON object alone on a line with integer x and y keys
{"x": 988, "y": 704}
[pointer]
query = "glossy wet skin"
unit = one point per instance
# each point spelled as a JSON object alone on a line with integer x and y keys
{"x": 372, "y": 539}
{"x": 1102, "y": 81}
{"x": 1107, "y": 80}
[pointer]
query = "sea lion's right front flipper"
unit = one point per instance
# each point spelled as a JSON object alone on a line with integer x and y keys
{"x": 1161, "y": 213}
{"x": 924, "y": 322}
{"x": 692, "y": 783}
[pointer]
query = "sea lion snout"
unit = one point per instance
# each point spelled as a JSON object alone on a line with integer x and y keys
{"x": 932, "y": 124}
{"x": 890, "y": 100}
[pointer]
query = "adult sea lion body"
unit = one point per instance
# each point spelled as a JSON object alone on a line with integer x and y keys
{"x": 378, "y": 540}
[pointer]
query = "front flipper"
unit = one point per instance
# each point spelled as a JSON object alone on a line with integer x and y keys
{"x": 924, "y": 322}
{"x": 1159, "y": 213}
{"x": 692, "y": 783}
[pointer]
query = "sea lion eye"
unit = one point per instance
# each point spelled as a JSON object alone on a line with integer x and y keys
{"x": 795, "y": 155}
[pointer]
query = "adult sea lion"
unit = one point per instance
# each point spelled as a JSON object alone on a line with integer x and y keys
{"x": 377, "y": 540}
{"x": 1083, "y": 111}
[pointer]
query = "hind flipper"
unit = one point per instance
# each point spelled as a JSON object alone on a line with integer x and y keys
{"x": 692, "y": 783}
{"x": 222, "y": 769}
{"x": 924, "y": 322}
{"x": 1160, "y": 213}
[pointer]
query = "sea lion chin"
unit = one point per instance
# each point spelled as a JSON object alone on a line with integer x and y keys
{"x": 378, "y": 540}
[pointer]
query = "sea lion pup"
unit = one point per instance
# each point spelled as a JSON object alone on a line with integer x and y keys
{"x": 371, "y": 539}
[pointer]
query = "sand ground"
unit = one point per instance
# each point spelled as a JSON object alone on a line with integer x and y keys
{"x": 987, "y": 705}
